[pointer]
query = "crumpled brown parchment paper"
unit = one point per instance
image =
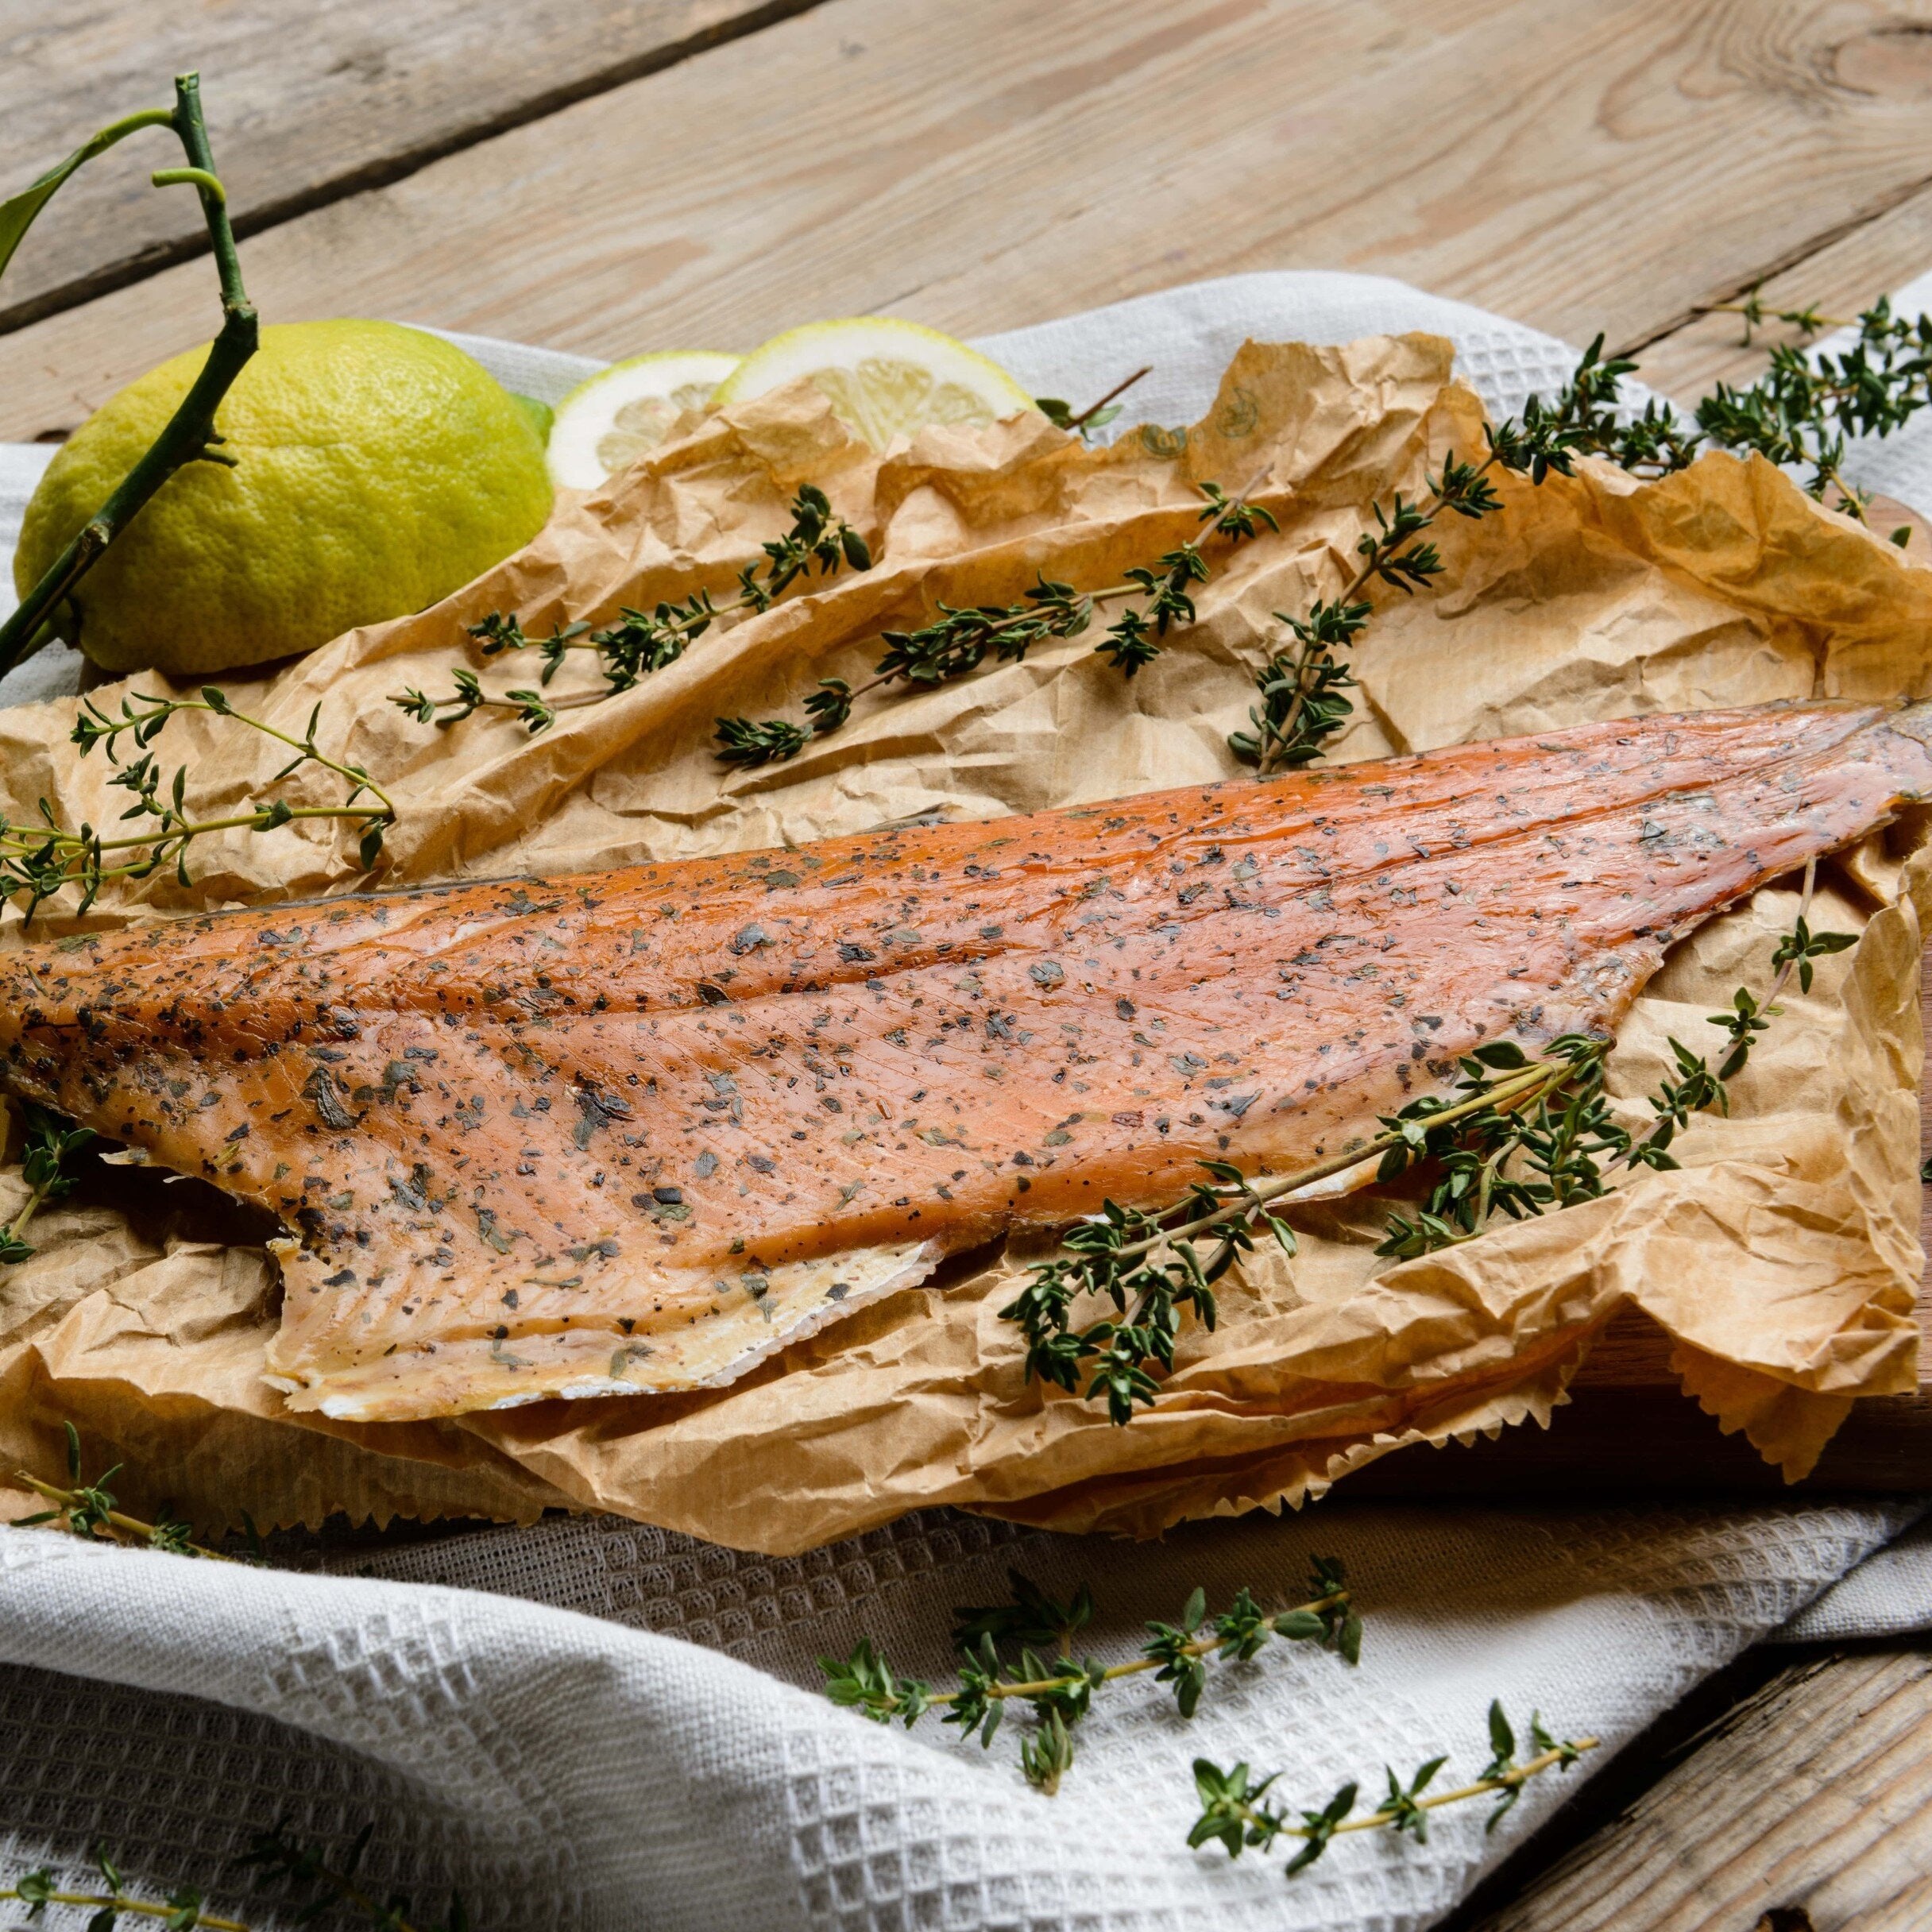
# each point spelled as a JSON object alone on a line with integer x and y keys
{"x": 1783, "y": 1260}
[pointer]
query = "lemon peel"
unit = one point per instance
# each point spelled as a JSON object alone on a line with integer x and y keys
{"x": 376, "y": 468}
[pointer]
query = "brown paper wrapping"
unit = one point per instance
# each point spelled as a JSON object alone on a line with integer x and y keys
{"x": 1783, "y": 1260}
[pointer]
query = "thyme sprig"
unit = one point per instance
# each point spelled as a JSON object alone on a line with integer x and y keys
{"x": 1234, "y": 1815}
{"x": 1096, "y": 416}
{"x": 1058, "y": 1689}
{"x": 38, "y": 861}
{"x": 1549, "y": 1154}
{"x": 182, "y": 1911}
{"x": 45, "y": 1166}
{"x": 642, "y": 642}
{"x": 1800, "y": 414}
{"x": 1147, "y": 1264}
{"x": 89, "y": 1510}
{"x": 1808, "y": 321}
{"x": 1519, "y": 1161}
{"x": 1515, "y": 1135}
{"x": 310, "y": 1881}
{"x": 189, "y": 434}
{"x": 1304, "y": 690}
{"x": 961, "y": 638}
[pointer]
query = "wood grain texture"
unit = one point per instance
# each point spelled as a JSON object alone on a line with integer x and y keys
{"x": 305, "y": 104}
{"x": 1813, "y": 1798}
{"x": 1849, "y": 275}
{"x": 996, "y": 163}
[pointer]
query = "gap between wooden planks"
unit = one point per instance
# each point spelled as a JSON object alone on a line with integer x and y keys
{"x": 306, "y": 104}
{"x": 985, "y": 165}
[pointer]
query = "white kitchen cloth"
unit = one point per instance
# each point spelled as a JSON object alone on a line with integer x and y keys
{"x": 570, "y": 1770}
{"x": 592, "y": 1723}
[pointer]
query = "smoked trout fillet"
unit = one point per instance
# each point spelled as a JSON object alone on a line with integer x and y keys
{"x": 634, "y": 1130}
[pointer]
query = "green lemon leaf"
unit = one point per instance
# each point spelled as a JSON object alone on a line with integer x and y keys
{"x": 17, "y": 214}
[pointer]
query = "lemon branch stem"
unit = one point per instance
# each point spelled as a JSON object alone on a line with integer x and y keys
{"x": 190, "y": 434}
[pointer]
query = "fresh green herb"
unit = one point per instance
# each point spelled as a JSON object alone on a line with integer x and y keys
{"x": 1800, "y": 946}
{"x": 189, "y": 435}
{"x": 309, "y": 1881}
{"x": 1527, "y": 1159}
{"x": 181, "y": 1911}
{"x": 1515, "y": 1136}
{"x": 1000, "y": 1662}
{"x": 1521, "y": 1159}
{"x": 88, "y": 1510}
{"x": 1808, "y": 321}
{"x": 1304, "y": 690}
{"x": 643, "y": 642}
{"x": 960, "y": 640}
{"x": 51, "y": 1146}
{"x": 36, "y": 861}
{"x": 1233, "y": 1814}
{"x": 1096, "y": 416}
{"x": 1149, "y": 1267}
{"x": 1799, "y": 415}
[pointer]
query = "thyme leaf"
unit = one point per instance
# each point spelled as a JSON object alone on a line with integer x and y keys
{"x": 1147, "y": 1265}
{"x": 641, "y": 642}
{"x": 37, "y": 861}
{"x": 1096, "y": 416}
{"x": 51, "y": 1146}
{"x": 1234, "y": 1815}
{"x": 1800, "y": 414}
{"x": 1000, "y": 1662}
{"x": 1526, "y": 1159}
{"x": 961, "y": 638}
{"x": 90, "y": 1510}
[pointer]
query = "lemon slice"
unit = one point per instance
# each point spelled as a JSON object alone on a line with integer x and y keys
{"x": 885, "y": 379}
{"x": 606, "y": 424}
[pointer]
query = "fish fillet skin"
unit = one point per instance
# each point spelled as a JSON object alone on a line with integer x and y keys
{"x": 634, "y": 1130}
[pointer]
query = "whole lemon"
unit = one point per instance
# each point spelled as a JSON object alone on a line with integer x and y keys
{"x": 376, "y": 468}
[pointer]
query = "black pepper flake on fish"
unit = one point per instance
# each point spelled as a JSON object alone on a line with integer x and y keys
{"x": 939, "y": 1033}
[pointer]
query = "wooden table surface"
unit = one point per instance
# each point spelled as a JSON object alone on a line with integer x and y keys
{"x": 617, "y": 176}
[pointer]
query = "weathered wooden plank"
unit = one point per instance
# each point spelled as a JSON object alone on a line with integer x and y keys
{"x": 984, "y": 166}
{"x": 305, "y": 104}
{"x": 1807, "y": 1808}
{"x": 1613, "y": 1445}
{"x": 1875, "y": 258}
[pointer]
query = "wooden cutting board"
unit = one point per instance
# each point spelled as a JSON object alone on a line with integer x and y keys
{"x": 1629, "y": 1430}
